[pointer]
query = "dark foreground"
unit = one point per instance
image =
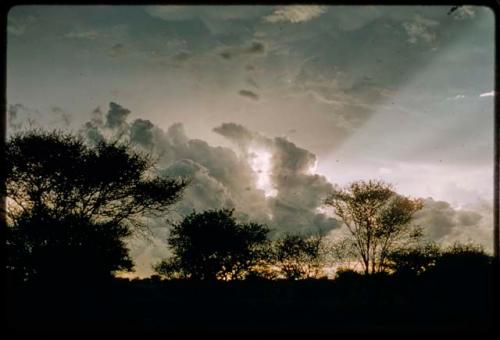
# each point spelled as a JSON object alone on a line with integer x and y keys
{"x": 349, "y": 305}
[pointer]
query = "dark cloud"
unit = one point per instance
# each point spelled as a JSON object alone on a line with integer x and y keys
{"x": 256, "y": 48}
{"x": 441, "y": 220}
{"x": 300, "y": 192}
{"x": 226, "y": 55}
{"x": 92, "y": 132}
{"x": 116, "y": 116}
{"x": 249, "y": 94}
{"x": 236, "y": 133}
{"x": 141, "y": 132}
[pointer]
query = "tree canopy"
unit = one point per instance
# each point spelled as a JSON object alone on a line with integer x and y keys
{"x": 78, "y": 202}
{"x": 212, "y": 245}
{"x": 377, "y": 218}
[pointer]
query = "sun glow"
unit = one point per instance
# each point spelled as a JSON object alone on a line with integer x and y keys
{"x": 260, "y": 162}
{"x": 313, "y": 169}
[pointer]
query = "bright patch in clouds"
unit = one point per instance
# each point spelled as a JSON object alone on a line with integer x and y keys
{"x": 260, "y": 162}
{"x": 313, "y": 169}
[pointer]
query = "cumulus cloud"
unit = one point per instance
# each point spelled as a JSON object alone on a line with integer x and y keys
{"x": 237, "y": 134}
{"x": 295, "y": 13}
{"x": 221, "y": 177}
{"x": 444, "y": 224}
{"x": 141, "y": 132}
{"x": 298, "y": 192}
{"x": 116, "y": 116}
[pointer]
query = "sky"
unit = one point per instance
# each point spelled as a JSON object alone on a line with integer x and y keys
{"x": 268, "y": 108}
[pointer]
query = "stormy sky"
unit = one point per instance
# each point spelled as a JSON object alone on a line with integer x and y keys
{"x": 268, "y": 108}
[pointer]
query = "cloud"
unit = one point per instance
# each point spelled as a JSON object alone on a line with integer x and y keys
{"x": 256, "y": 48}
{"x": 464, "y": 12}
{"x": 223, "y": 177}
{"x": 116, "y": 116}
{"x": 487, "y": 94}
{"x": 295, "y": 14}
{"x": 249, "y": 94}
{"x": 420, "y": 30}
{"x": 20, "y": 116}
{"x": 62, "y": 115}
{"x": 237, "y": 134}
{"x": 298, "y": 192}
{"x": 444, "y": 224}
{"x": 141, "y": 132}
{"x": 179, "y": 12}
{"x": 13, "y": 115}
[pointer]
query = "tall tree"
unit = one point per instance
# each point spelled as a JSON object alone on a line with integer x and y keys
{"x": 70, "y": 200}
{"x": 212, "y": 245}
{"x": 378, "y": 220}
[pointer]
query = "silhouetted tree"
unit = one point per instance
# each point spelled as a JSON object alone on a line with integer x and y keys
{"x": 213, "y": 245}
{"x": 462, "y": 260}
{"x": 414, "y": 260}
{"x": 73, "y": 203}
{"x": 378, "y": 220}
{"x": 298, "y": 257}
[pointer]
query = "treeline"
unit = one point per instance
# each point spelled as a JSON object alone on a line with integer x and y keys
{"x": 71, "y": 207}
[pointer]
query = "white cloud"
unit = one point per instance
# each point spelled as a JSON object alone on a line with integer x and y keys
{"x": 295, "y": 14}
{"x": 487, "y": 94}
{"x": 464, "y": 12}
